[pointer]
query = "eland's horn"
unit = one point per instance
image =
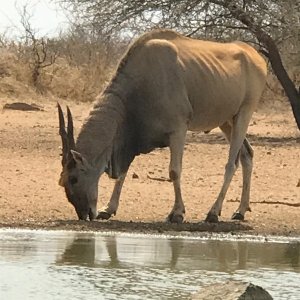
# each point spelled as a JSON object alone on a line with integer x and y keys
{"x": 70, "y": 130}
{"x": 63, "y": 134}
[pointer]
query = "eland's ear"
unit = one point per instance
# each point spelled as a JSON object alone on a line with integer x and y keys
{"x": 79, "y": 159}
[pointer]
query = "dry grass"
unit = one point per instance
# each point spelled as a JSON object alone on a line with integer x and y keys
{"x": 81, "y": 83}
{"x": 14, "y": 77}
{"x": 79, "y": 76}
{"x": 62, "y": 80}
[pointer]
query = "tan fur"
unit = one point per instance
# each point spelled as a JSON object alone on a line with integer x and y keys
{"x": 165, "y": 85}
{"x": 217, "y": 78}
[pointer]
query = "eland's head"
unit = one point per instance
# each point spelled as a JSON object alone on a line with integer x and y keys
{"x": 78, "y": 177}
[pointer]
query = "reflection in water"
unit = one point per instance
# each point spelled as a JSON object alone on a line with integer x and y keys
{"x": 81, "y": 252}
{"x": 94, "y": 266}
{"x": 292, "y": 254}
{"x": 177, "y": 253}
{"x": 111, "y": 247}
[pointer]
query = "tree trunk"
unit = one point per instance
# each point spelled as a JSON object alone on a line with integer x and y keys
{"x": 282, "y": 75}
{"x": 273, "y": 54}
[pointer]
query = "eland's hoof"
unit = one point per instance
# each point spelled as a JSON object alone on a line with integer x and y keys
{"x": 172, "y": 218}
{"x": 237, "y": 216}
{"x": 103, "y": 215}
{"x": 211, "y": 218}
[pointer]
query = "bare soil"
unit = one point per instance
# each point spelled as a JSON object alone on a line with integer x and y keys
{"x": 30, "y": 166}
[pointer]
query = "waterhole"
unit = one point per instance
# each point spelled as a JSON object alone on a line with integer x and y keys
{"x": 84, "y": 265}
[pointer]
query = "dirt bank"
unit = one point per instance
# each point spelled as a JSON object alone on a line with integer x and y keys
{"x": 31, "y": 197}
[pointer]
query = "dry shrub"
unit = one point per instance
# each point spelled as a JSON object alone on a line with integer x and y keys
{"x": 68, "y": 78}
{"x": 14, "y": 76}
{"x": 83, "y": 68}
{"x": 80, "y": 83}
{"x": 274, "y": 96}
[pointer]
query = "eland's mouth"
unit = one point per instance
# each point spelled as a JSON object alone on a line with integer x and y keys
{"x": 92, "y": 215}
{"x": 83, "y": 215}
{"x": 87, "y": 215}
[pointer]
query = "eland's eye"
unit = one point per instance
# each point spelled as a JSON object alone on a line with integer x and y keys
{"x": 73, "y": 180}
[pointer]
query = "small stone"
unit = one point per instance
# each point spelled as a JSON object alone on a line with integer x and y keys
{"x": 135, "y": 176}
{"x": 298, "y": 184}
{"x": 234, "y": 290}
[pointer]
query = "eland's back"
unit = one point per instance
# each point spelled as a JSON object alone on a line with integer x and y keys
{"x": 219, "y": 79}
{"x": 214, "y": 79}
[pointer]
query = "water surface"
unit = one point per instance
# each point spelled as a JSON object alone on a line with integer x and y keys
{"x": 80, "y": 265}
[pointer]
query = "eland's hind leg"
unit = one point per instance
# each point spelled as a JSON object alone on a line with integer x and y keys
{"x": 246, "y": 158}
{"x": 227, "y": 130}
{"x": 177, "y": 141}
{"x": 239, "y": 129}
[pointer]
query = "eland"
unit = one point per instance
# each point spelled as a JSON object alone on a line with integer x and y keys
{"x": 165, "y": 85}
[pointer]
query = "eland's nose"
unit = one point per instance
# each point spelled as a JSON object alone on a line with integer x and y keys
{"x": 82, "y": 216}
{"x": 92, "y": 215}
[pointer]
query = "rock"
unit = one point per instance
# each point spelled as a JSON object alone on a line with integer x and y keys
{"x": 232, "y": 290}
{"x": 135, "y": 176}
{"x": 22, "y": 106}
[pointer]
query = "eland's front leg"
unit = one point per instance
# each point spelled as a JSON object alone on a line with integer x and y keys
{"x": 177, "y": 141}
{"x": 111, "y": 209}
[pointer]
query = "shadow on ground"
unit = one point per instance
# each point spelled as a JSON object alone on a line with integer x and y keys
{"x": 255, "y": 140}
{"x": 137, "y": 227}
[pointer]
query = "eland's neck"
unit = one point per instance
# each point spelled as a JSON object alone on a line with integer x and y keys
{"x": 96, "y": 137}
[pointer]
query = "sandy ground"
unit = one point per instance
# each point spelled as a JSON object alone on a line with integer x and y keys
{"x": 30, "y": 167}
